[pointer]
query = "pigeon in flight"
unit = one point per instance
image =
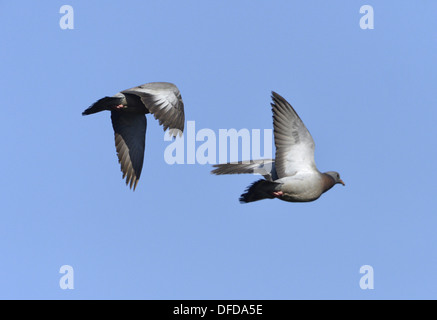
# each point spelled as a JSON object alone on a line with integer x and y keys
{"x": 293, "y": 175}
{"x": 128, "y": 109}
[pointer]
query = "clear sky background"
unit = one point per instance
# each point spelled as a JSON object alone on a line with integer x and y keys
{"x": 368, "y": 98}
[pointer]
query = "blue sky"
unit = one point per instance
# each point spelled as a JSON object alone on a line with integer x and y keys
{"x": 367, "y": 97}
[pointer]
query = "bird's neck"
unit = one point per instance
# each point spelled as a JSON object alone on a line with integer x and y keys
{"x": 328, "y": 182}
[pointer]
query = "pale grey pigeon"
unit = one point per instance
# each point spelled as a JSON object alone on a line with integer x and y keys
{"x": 293, "y": 175}
{"x": 128, "y": 109}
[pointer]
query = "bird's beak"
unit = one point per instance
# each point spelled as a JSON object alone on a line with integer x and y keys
{"x": 341, "y": 181}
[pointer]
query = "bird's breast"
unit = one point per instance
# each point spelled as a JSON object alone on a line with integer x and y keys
{"x": 301, "y": 189}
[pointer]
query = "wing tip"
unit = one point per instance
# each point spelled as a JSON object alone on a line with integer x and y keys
{"x": 276, "y": 97}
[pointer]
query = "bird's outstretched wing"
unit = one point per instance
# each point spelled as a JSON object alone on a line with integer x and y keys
{"x": 164, "y": 101}
{"x": 130, "y": 139}
{"x": 294, "y": 144}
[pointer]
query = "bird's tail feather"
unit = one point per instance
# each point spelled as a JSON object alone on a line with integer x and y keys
{"x": 264, "y": 167}
{"x": 261, "y": 189}
{"x": 103, "y": 104}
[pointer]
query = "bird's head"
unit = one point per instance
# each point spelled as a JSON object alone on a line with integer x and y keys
{"x": 336, "y": 176}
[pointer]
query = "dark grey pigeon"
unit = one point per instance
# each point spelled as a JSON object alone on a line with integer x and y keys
{"x": 293, "y": 175}
{"x": 128, "y": 109}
